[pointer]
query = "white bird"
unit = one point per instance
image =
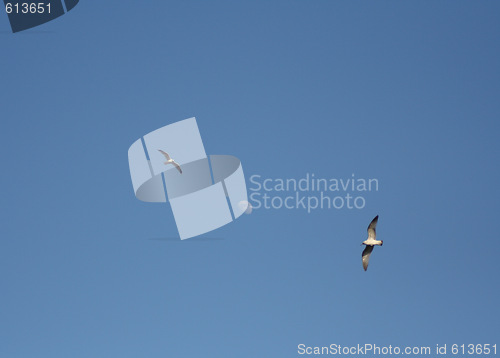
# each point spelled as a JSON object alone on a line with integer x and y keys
{"x": 170, "y": 161}
{"x": 370, "y": 242}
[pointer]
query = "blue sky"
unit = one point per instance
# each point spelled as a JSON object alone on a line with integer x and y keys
{"x": 405, "y": 92}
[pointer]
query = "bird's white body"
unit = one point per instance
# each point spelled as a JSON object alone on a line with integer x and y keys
{"x": 372, "y": 242}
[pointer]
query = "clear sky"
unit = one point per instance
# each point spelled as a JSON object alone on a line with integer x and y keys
{"x": 404, "y": 92}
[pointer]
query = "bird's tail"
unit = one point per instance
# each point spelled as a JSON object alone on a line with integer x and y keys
{"x": 381, "y": 242}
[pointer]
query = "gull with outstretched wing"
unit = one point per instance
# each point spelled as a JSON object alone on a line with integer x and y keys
{"x": 170, "y": 161}
{"x": 370, "y": 242}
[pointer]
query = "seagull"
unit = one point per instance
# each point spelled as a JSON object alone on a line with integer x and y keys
{"x": 370, "y": 242}
{"x": 171, "y": 161}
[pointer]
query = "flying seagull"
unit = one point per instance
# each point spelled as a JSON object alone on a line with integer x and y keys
{"x": 370, "y": 242}
{"x": 170, "y": 161}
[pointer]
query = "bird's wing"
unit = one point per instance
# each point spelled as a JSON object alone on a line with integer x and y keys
{"x": 366, "y": 256}
{"x": 165, "y": 154}
{"x": 371, "y": 228}
{"x": 177, "y": 166}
